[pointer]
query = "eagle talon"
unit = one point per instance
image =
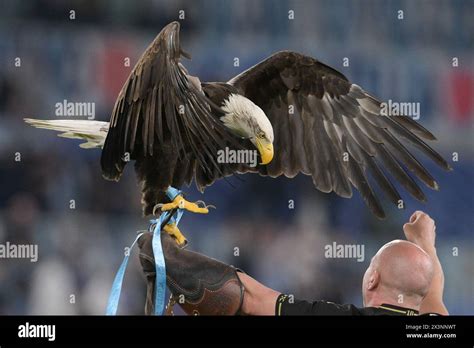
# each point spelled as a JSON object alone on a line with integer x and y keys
{"x": 156, "y": 207}
{"x": 203, "y": 204}
{"x": 174, "y": 232}
{"x": 181, "y": 203}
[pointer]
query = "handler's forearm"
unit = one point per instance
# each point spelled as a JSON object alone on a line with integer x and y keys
{"x": 258, "y": 299}
{"x": 433, "y": 302}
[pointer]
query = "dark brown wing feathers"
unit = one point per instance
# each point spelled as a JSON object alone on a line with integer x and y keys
{"x": 336, "y": 133}
{"x": 158, "y": 105}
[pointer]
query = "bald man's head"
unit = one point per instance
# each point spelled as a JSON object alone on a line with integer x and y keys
{"x": 400, "y": 273}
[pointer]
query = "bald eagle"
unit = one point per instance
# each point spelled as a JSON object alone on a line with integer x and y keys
{"x": 299, "y": 114}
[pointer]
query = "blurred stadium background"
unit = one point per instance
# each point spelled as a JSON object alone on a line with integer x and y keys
{"x": 83, "y": 60}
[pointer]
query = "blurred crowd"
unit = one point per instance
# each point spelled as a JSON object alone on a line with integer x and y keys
{"x": 52, "y": 193}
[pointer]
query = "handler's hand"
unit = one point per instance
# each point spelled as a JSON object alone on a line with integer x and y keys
{"x": 421, "y": 230}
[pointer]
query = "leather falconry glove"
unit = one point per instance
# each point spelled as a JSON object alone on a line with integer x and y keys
{"x": 199, "y": 284}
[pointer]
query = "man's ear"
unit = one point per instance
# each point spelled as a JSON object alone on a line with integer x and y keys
{"x": 373, "y": 280}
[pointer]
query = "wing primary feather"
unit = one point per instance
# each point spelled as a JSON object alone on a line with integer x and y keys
{"x": 151, "y": 127}
{"x": 146, "y": 122}
{"x": 360, "y": 181}
{"x": 410, "y": 161}
{"x": 420, "y": 144}
{"x": 370, "y": 165}
{"x": 414, "y": 127}
{"x": 399, "y": 173}
{"x": 135, "y": 119}
{"x": 159, "y": 117}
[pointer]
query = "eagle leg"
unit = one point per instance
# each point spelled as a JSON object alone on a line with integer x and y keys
{"x": 174, "y": 232}
{"x": 180, "y": 203}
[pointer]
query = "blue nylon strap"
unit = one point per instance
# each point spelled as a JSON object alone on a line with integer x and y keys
{"x": 160, "y": 282}
{"x": 171, "y": 192}
{"x": 160, "y": 267}
{"x": 114, "y": 297}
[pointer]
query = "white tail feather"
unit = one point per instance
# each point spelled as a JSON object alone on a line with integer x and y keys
{"x": 94, "y": 132}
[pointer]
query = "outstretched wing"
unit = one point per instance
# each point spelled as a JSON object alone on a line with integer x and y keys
{"x": 333, "y": 130}
{"x": 160, "y": 103}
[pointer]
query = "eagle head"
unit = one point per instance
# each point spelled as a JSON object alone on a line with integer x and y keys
{"x": 246, "y": 119}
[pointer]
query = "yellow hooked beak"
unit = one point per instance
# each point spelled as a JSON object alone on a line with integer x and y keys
{"x": 266, "y": 150}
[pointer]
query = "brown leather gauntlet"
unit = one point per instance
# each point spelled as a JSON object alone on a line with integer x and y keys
{"x": 199, "y": 284}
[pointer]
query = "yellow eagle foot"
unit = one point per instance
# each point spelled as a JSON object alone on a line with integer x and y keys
{"x": 181, "y": 203}
{"x": 174, "y": 232}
